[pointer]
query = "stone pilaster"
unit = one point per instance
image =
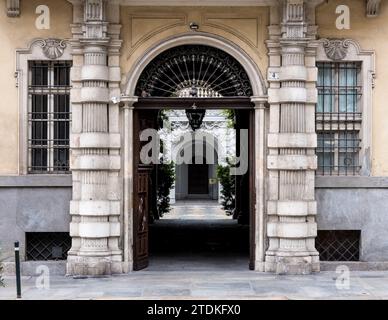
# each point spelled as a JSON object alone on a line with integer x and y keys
{"x": 291, "y": 161}
{"x": 13, "y": 8}
{"x": 259, "y": 221}
{"x": 95, "y": 140}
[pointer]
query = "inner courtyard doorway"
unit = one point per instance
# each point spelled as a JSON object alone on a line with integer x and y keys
{"x": 197, "y": 227}
{"x": 198, "y": 180}
{"x": 195, "y": 79}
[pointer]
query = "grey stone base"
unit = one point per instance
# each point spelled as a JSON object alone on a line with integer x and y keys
{"x": 355, "y": 266}
{"x": 31, "y": 268}
{"x": 92, "y": 266}
{"x": 297, "y": 265}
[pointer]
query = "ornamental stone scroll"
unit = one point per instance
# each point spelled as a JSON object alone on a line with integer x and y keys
{"x": 336, "y": 49}
{"x": 53, "y": 48}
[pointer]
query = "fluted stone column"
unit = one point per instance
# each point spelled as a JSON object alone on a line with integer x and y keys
{"x": 259, "y": 221}
{"x": 291, "y": 162}
{"x": 95, "y": 141}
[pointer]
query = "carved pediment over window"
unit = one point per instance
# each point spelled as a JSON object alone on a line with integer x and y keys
{"x": 13, "y": 8}
{"x": 372, "y": 8}
{"x": 336, "y": 49}
{"x": 53, "y": 48}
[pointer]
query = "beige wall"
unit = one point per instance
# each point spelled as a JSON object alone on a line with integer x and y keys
{"x": 145, "y": 27}
{"x": 17, "y": 33}
{"x": 372, "y": 34}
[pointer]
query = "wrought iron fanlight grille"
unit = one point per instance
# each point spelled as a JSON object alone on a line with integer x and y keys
{"x": 192, "y": 71}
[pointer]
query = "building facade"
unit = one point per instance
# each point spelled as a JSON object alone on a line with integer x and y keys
{"x": 76, "y": 75}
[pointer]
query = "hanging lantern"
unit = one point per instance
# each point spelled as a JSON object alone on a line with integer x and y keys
{"x": 195, "y": 117}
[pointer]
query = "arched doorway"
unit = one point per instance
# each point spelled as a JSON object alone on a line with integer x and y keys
{"x": 192, "y": 74}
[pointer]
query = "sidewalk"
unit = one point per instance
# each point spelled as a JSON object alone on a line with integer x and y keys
{"x": 204, "y": 285}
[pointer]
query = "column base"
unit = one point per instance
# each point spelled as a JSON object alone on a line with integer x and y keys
{"x": 259, "y": 266}
{"x": 292, "y": 265}
{"x": 92, "y": 266}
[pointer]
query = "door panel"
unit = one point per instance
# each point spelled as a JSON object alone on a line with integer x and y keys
{"x": 198, "y": 179}
{"x": 141, "y": 216}
{"x": 143, "y": 197}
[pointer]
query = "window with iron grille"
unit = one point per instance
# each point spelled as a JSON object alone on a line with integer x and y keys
{"x": 338, "y": 118}
{"x": 338, "y": 245}
{"x": 49, "y": 116}
{"x": 47, "y": 245}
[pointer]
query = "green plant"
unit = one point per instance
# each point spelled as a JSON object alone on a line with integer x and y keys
{"x": 163, "y": 117}
{"x": 1, "y": 275}
{"x": 166, "y": 178}
{"x": 1, "y": 278}
{"x": 230, "y": 117}
{"x": 228, "y": 192}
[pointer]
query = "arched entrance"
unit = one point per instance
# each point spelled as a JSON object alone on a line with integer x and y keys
{"x": 194, "y": 72}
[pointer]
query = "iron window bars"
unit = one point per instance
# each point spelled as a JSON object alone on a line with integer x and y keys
{"x": 49, "y": 116}
{"x": 47, "y": 245}
{"x": 338, "y": 245}
{"x": 338, "y": 118}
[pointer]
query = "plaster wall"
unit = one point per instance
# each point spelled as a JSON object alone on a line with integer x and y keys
{"x": 28, "y": 204}
{"x": 371, "y": 33}
{"x": 145, "y": 27}
{"x": 16, "y": 33}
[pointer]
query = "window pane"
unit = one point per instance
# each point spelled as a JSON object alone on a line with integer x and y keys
{"x": 49, "y": 116}
{"x": 62, "y": 74}
{"x": 325, "y": 88}
{"x": 38, "y": 159}
{"x": 348, "y": 87}
{"x": 61, "y": 106}
{"x": 61, "y": 133}
{"x": 39, "y": 106}
{"x": 338, "y": 87}
{"x": 39, "y": 133}
{"x": 325, "y": 152}
{"x": 348, "y": 152}
{"x": 39, "y": 74}
{"x": 339, "y": 95}
{"x": 61, "y": 159}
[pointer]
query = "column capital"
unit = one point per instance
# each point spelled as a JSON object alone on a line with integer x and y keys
{"x": 260, "y": 102}
{"x": 128, "y": 101}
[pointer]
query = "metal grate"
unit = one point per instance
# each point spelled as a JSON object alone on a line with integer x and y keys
{"x": 336, "y": 245}
{"x": 47, "y": 245}
{"x": 49, "y": 116}
{"x": 338, "y": 118}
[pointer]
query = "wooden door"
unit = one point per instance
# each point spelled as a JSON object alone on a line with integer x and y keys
{"x": 140, "y": 218}
{"x": 143, "y": 196}
{"x": 198, "y": 179}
